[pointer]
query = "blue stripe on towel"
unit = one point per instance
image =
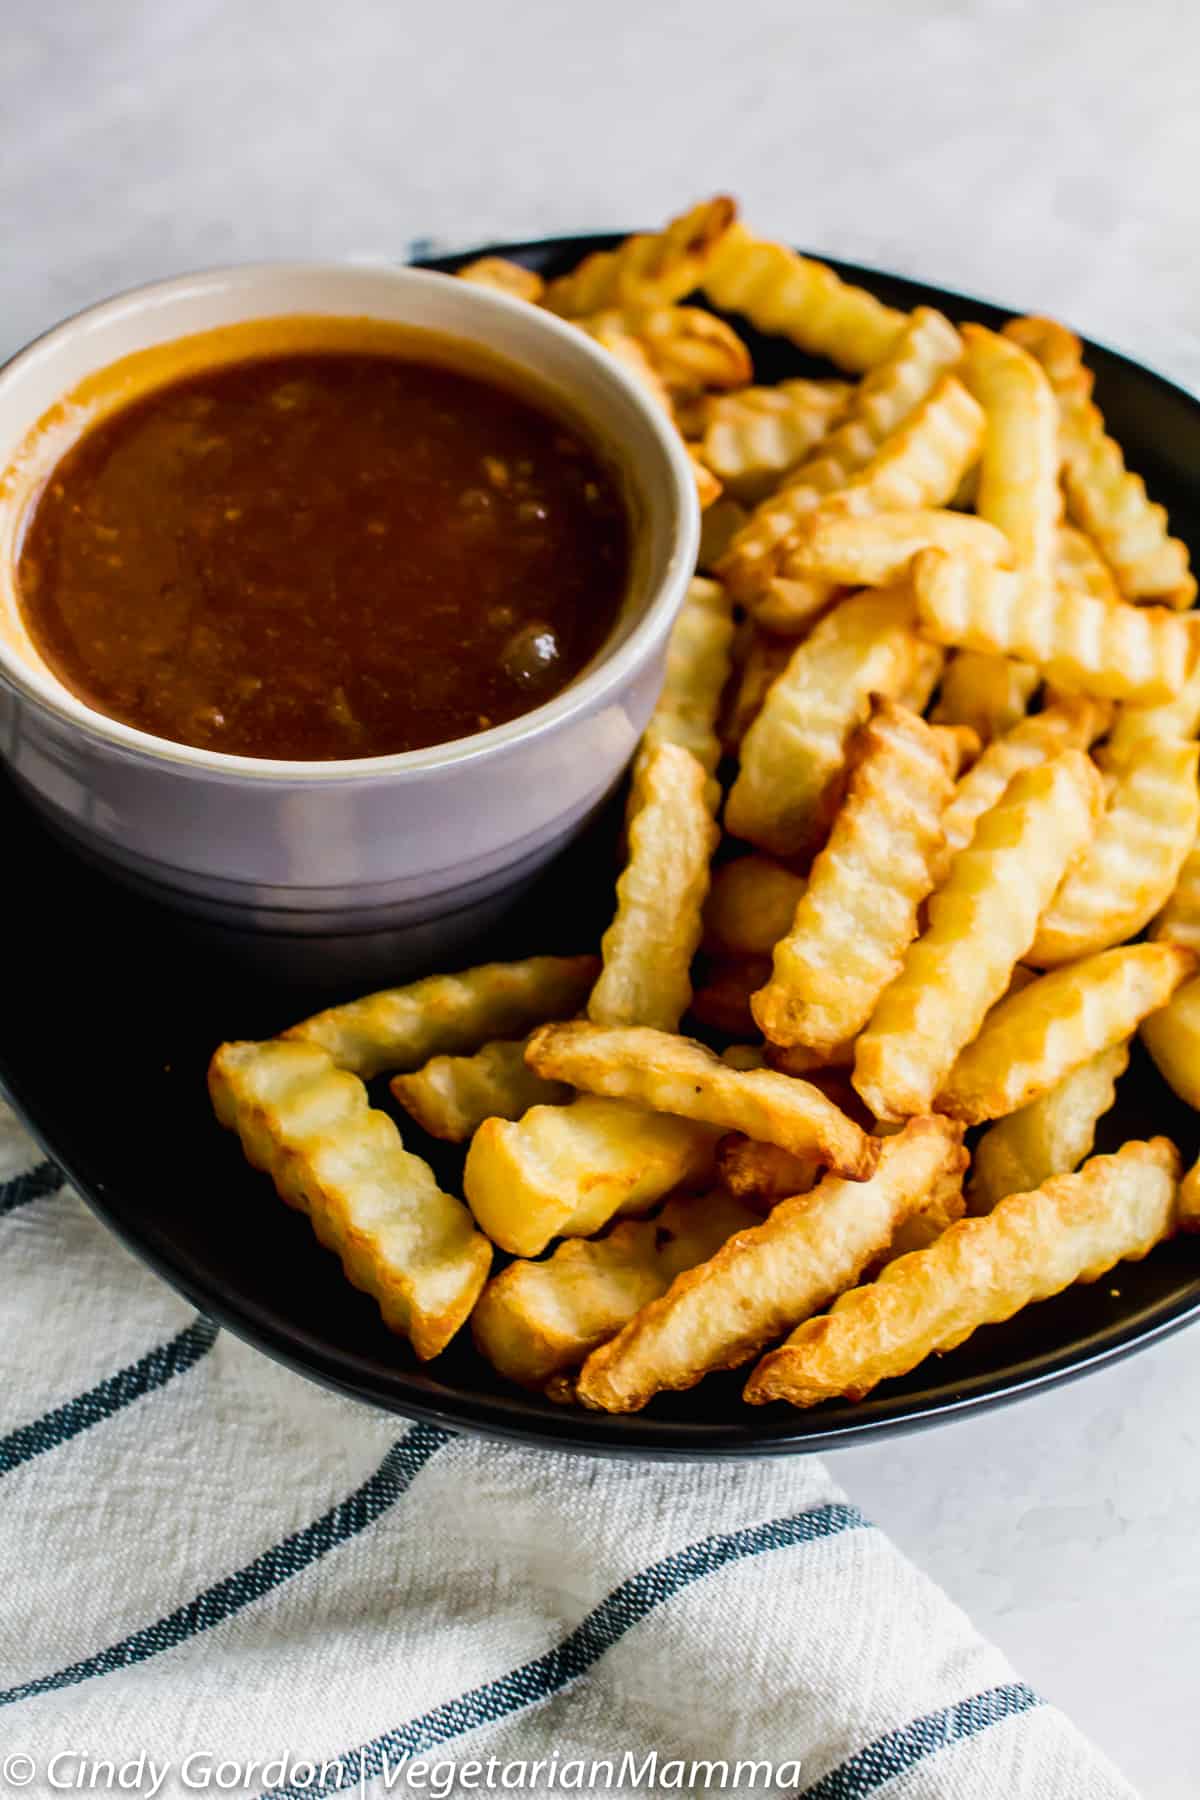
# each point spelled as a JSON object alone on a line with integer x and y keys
{"x": 278, "y": 1564}
{"x": 34, "y": 1184}
{"x": 869, "y": 1769}
{"x": 109, "y": 1396}
{"x": 597, "y": 1632}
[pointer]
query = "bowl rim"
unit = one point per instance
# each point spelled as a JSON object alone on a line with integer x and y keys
{"x": 612, "y": 668}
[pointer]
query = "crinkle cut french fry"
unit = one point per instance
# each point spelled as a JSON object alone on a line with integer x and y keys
{"x": 979, "y": 1272}
{"x": 835, "y": 546}
{"x": 1179, "y": 920}
{"x": 858, "y": 913}
{"x": 796, "y": 746}
{"x": 1050, "y": 1136}
{"x": 536, "y": 1319}
{"x": 698, "y": 664}
{"x": 1175, "y": 718}
{"x": 677, "y": 1075}
{"x": 1036, "y": 1038}
{"x": 1117, "y": 652}
{"x": 451, "y": 1096}
{"x": 1110, "y": 503}
{"x": 310, "y": 1126}
{"x": 649, "y": 269}
{"x": 764, "y": 1280}
{"x": 1018, "y": 470}
{"x": 1078, "y": 563}
{"x": 752, "y": 438}
{"x": 564, "y": 1171}
{"x": 883, "y": 401}
{"x": 988, "y": 693}
{"x": 1172, "y": 1036}
{"x": 647, "y": 951}
{"x": 919, "y": 463}
{"x": 763, "y": 1173}
{"x": 981, "y": 922}
{"x": 787, "y": 294}
{"x": 1070, "y": 724}
{"x": 401, "y": 1028}
{"x": 918, "y": 467}
{"x": 1131, "y": 865}
{"x": 721, "y": 1001}
{"x": 751, "y": 904}
{"x": 505, "y": 276}
{"x": 688, "y": 347}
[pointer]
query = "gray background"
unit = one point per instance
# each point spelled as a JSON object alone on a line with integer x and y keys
{"x": 1044, "y": 155}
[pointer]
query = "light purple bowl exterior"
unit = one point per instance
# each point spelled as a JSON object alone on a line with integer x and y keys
{"x": 358, "y": 867}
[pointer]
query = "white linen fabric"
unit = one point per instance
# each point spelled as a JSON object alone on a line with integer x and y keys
{"x": 218, "y": 1578}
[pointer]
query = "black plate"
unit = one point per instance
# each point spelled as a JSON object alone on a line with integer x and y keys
{"x": 112, "y": 1009}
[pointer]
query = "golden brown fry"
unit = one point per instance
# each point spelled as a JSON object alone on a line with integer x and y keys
{"x": 647, "y": 950}
{"x": 1036, "y": 1038}
{"x": 1018, "y": 470}
{"x": 1172, "y": 1037}
{"x": 721, "y": 1001}
{"x": 452, "y": 1095}
{"x": 310, "y": 1126}
{"x": 1179, "y": 920}
{"x": 689, "y": 348}
{"x": 1050, "y": 1136}
{"x": 1175, "y": 718}
{"x": 505, "y": 276}
{"x": 751, "y": 904}
{"x": 698, "y": 664}
{"x": 858, "y": 914}
{"x": 918, "y": 467}
{"x": 752, "y": 438}
{"x": 1132, "y": 864}
{"x": 988, "y": 693}
{"x": 797, "y": 1059}
{"x": 981, "y": 922}
{"x": 1109, "y": 502}
{"x": 1118, "y": 652}
{"x": 454, "y": 1015}
{"x": 761, "y": 1173}
{"x": 1071, "y": 724}
{"x": 1078, "y": 563}
{"x": 764, "y": 1280}
{"x": 564, "y": 1171}
{"x": 796, "y": 746}
{"x": 647, "y": 270}
{"x": 794, "y": 297}
{"x": 677, "y": 1075}
{"x": 831, "y": 545}
{"x": 1072, "y": 1228}
{"x": 536, "y": 1319}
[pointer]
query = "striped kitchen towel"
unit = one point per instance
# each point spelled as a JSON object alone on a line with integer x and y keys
{"x": 218, "y": 1579}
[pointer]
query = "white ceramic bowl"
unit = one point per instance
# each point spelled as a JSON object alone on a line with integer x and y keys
{"x": 380, "y": 861}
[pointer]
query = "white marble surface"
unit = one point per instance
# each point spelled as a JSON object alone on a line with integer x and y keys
{"x": 1043, "y": 153}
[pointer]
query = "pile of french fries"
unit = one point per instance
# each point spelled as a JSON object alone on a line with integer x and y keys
{"x": 940, "y": 680}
